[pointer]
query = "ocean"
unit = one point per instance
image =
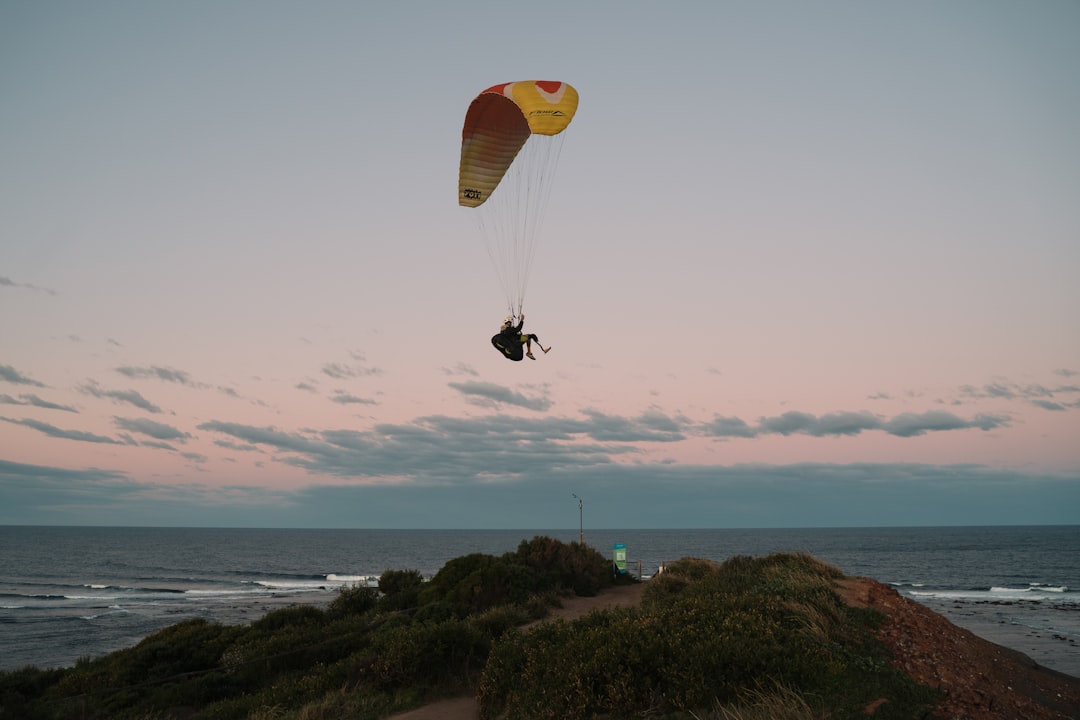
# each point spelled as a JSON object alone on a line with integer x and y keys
{"x": 73, "y": 592}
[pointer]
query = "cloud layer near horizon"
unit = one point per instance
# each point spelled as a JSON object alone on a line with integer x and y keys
{"x": 519, "y": 452}
{"x": 637, "y": 496}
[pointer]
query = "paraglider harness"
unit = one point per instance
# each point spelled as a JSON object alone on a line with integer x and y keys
{"x": 510, "y": 343}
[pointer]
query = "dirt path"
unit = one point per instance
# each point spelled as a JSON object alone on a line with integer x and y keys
{"x": 466, "y": 707}
{"x": 459, "y": 708}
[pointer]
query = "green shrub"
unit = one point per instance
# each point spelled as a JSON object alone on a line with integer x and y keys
{"x": 353, "y": 600}
{"x": 400, "y": 589}
{"x": 574, "y": 567}
{"x": 445, "y": 584}
{"x": 478, "y": 582}
{"x": 286, "y": 617}
{"x": 19, "y": 688}
{"x": 676, "y": 578}
{"x": 393, "y": 582}
{"x": 707, "y": 637}
{"x": 496, "y": 621}
{"x": 540, "y": 604}
{"x": 439, "y": 611}
{"x": 429, "y": 655}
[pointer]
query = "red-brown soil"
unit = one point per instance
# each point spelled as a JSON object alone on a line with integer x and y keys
{"x": 979, "y": 679}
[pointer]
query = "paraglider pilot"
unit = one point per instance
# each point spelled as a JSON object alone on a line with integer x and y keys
{"x": 510, "y": 340}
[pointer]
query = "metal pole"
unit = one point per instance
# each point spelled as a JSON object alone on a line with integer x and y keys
{"x": 581, "y": 524}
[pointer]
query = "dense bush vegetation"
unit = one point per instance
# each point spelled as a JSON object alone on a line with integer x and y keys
{"x": 751, "y": 633}
{"x": 368, "y": 653}
{"x": 750, "y": 638}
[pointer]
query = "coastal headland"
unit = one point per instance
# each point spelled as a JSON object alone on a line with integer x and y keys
{"x": 979, "y": 679}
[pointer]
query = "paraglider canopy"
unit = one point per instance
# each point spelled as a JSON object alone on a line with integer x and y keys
{"x": 498, "y": 123}
{"x": 510, "y": 145}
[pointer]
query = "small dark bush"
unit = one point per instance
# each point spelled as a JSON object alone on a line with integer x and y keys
{"x": 393, "y": 582}
{"x": 440, "y": 611}
{"x": 499, "y": 620}
{"x": 400, "y": 589}
{"x": 478, "y": 582}
{"x": 445, "y": 584}
{"x": 354, "y": 600}
{"x": 574, "y": 567}
{"x": 428, "y": 655}
{"x": 285, "y": 617}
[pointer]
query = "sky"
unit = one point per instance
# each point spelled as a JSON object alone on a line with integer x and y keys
{"x": 803, "y": 265}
